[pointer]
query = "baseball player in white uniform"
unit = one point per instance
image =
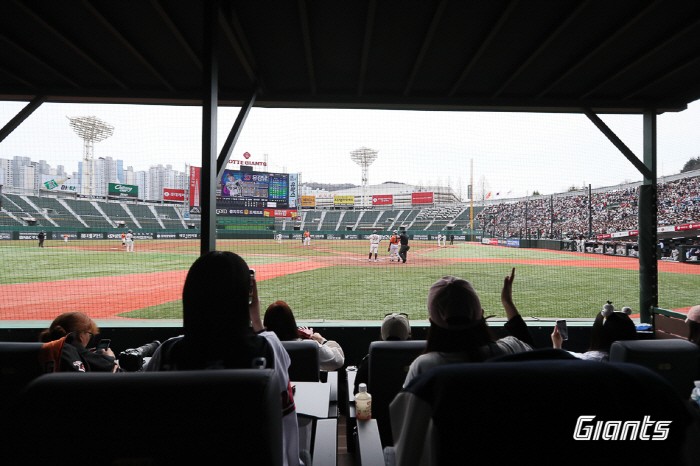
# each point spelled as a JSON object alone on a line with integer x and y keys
{"x": 374, "y": 240}
{"x": 394, "y": 246}
{"x": 279, "y": 238}
{"x": 129, "y": 242}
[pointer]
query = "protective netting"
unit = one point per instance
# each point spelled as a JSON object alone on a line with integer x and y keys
{"x": 550, "y": 196}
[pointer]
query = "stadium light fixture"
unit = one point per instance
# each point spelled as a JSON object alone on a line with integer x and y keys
{"x": 91, "y": 130}
{"x": 364, "y": 157}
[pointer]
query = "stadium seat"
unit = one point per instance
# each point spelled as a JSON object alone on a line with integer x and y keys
{"x": 678, "y": 361}
{"x": 304, "y": 357}
{"x": 562, "y": 411}
{"x": 19, "y": 363}
{"x": 388, "y": 365}
{"x": 150, "y": 418}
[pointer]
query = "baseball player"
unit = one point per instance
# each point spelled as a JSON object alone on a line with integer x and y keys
{"x": 123, "y": 239}
{"x": 279, "y": 238}
{"x": 307, "y": 238}
{"x": 129, "y": 242}
{"x": 394, "y": 246}
{"x": 374, "y": 240}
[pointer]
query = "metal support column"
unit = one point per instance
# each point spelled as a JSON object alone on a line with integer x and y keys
{"x": 230, "y": 143}
{"x": 210, "y": 97}
{"x": 648, "y": 266}
{"x": 21, "y": 116}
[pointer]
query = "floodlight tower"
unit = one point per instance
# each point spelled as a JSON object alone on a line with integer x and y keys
{"x": 364, "y": 157}
{"x": 91, "y": 130}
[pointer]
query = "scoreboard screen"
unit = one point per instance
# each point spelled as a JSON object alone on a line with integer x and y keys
{"x": 252, "y": 190}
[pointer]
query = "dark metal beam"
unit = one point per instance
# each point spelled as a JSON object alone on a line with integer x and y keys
{"x": 38, "y": 60}
{"x": 236, "y": 129}
{"x": 127, "y": 45}
{"x": 643, "y": 169}
{"x": 493, "y": 33}
{"x": 367, "y": 40}
{"x": 79, "y": 51}
{"x": 177, "y": 33}
{"x": 210, "y": 97}
{"x": 306, "y": 36}
{"x": 21, "y": 116}
{"x": 648, "y": 205}
{"x": 686, "y": 64}
{"x": 233, "y": 32}
{"x": 426, "y": 45}
{"x": 543, "y": 46}
{"x": 640, "y": 60}
{"x": 618, "y": 32}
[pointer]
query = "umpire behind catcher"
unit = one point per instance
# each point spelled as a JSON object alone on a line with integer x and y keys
{"x": 404, "y": 246}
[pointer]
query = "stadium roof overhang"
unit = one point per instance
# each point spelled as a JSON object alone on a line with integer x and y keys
{"x": 590, "y": 56}
{"x": 619, "y": 56}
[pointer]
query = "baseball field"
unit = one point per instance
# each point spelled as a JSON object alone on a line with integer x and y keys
{"x": 328, "y": 280}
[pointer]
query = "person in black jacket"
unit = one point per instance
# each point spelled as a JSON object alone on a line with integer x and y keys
{"x": 404, "y": 246}
{"x": 41, "y": 237}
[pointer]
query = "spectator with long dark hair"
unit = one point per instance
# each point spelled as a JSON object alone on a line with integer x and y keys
{"x": 280, "y": 320}
{"x": 458, "y": 330}
{"x": 693, "y": 322}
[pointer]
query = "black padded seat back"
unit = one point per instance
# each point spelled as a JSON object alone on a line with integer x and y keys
{"x": 678, "y": 361}
{"x": 304, "y": 365}
{"x": 388, "y": 365}
{"x": 564, "y": 409}
{"x": 19, "y": 365}
{"x": 206, "y": 417}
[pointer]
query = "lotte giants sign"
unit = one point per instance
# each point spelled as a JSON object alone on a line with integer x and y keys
{"x": 384, "y": 199}
{"x": 173, "y": 194}
{"x": 422, "y": 198}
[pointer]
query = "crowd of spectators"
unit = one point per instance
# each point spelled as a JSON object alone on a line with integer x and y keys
{"x": 563, "y": 216}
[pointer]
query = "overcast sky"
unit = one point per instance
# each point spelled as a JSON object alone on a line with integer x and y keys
{"x": 516, "y": 153}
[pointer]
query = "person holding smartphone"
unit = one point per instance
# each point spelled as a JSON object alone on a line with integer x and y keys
{"x": 70, "y": 346}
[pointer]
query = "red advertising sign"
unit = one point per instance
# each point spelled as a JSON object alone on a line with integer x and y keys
{"x": 422, "y": 198}
{"x": 383, "y": 199}
{"x": 195, "y": 187}
{"x": 290, "y": 213}
{"x": 170, "y": 194}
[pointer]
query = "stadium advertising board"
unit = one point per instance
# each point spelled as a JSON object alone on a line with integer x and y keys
{"x": 122, "y": 190}
{"x": 293, "y": 185}
{"x": 246, "y": 156}
{"x": 383, "y": 199}
{"x": 195, "y": 190}
{"x": 5, "y": 235}
{"x": 421, "y": 198}
{"x": 33, "y": 235}
{"x": 308, "y": 201}
{"x": 53, "y": 183}
{"x": 62, "y": 235}
{"x": 277, "y": 213}
{"x": 91, "y": 236}
{"x": 254, "y": 191}
{"x": 173, "y": 194}
{"x": 343, "y": 200}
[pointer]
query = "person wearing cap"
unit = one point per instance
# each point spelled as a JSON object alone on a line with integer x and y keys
{"x": 458, "y": 330}
{"x": 394, "y": 246}
{"x": 403, "y": 251}
{"x": 693, "y": 322}
{"x": 374, "y": 240}
{"x": 395, "y": 327}
{"x": 41, "y": 236}
{"x": 129, "y": 242}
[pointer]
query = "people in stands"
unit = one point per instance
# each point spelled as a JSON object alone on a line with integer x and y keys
{"x": 458, "y": 330}
{"x": 693, "y": 322}
{"x": 226, "y": 332}
{"x": 694, "y": 253}
{"x": 280, "y": 320}
{"x": 609, "y": 326}
{"x": 70, "y": 346}
{"x": 395, "y": 327}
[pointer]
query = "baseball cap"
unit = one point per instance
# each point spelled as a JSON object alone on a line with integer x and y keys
{"x": 374, "y": 232}
{"x": 396, "y": 327}
{"x": 453, "y": 303}
{"x": 694, "y": 314}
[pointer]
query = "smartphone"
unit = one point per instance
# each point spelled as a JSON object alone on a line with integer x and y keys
{"x": 252, "y": 280}
{"x": 563, "y": 330}
{"x": 103, "y": 345}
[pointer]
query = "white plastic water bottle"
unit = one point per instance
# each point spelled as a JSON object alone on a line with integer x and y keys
{"x": 363, "y": 404}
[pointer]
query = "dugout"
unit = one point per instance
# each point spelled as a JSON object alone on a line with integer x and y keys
{"x": 639, "y": 60}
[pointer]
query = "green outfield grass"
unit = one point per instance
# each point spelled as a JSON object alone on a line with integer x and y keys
{"x": 363, "y": 291}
